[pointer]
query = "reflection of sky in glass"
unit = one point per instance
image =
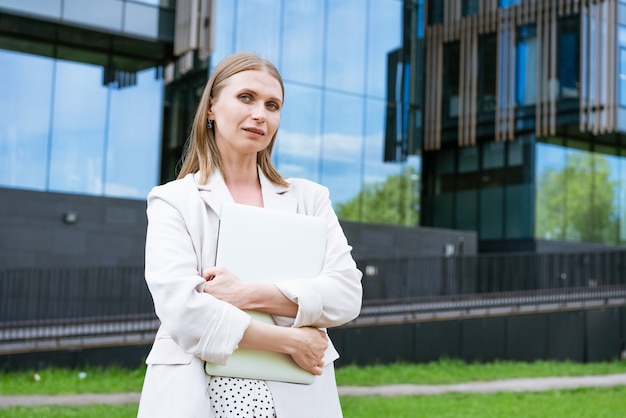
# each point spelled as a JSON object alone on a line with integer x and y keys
{"x": 79, "y": 122}
{"x": 257, "y": 28}
{"x": 549, "y": 157}
{"x": 62, "y": 130}
{"x": 297, "y": 151}
{"x": 24, "y": 119}
{"x": 303, "y": 49}
{"x": 100, "y": 140}
{"x": 132, "y": 163}
{"x": 345, "y": 48}
{"x": 333, "y": 58}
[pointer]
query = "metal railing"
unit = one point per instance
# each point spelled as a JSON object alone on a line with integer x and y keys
{"x": 437, "y": 288}
{"x": 403, "y": 278}
{"x": 47, "y": 309}
{"x": 53, "y": 308}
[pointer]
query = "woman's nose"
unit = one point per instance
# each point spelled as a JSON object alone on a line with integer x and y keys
{"x": 258, "y": 113}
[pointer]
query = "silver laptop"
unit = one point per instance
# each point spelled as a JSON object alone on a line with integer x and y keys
{"x": 266, "y": 245}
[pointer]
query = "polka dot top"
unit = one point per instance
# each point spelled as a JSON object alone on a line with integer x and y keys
{"x": 240, "y": 398}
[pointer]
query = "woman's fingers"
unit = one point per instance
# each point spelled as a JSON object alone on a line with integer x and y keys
{"x": 310, "y": 356}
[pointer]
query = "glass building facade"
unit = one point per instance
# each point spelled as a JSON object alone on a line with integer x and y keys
{"x": 508, "y": 122}
{"x": 333, "y": 56}
{"x": 62, "y": 129}
{"x": 81, "y": 114}
{"x": 524, "y": 132}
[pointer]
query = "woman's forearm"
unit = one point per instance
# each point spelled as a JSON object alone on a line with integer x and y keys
{"x": 262, "y": 297}
{"x": 267, "y": 298}
{"x": 305, "y": 345}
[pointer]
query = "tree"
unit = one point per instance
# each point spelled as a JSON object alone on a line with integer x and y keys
{"x": 394, "y": 201}
{"x": 577, "y": 202}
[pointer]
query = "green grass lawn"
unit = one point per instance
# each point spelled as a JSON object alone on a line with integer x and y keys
{"x": 455, "y": 371}
{"x": 593, "y": 402}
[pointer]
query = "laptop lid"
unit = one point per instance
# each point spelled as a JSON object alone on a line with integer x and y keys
{"x": 265, "y": 245}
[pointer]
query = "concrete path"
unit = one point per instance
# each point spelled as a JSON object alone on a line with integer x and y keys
{"x": 509, "y": 385}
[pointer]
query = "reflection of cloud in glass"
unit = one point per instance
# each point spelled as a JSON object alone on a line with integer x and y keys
{"x": 343, "y": 161}
{"x": 87, "y": 118}
{"x": 303, "y": 43}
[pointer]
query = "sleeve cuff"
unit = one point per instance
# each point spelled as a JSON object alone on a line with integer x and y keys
{"x": 221, "y": 338}
{"x": 303, "y": 293}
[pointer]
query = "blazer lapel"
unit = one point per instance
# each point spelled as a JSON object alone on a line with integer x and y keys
{"x": 215, "y": 193}
{"x": 277, "y": 197}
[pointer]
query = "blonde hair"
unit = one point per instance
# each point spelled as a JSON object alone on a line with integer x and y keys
{"x": 200, "y": 152}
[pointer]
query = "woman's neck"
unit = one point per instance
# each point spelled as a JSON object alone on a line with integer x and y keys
{"x": 243, "y": 183}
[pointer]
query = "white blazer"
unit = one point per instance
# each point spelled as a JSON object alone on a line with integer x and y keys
{"x": 196, "y": 327}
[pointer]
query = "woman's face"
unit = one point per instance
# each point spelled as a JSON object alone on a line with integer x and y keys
{"x": 246, "y": 113}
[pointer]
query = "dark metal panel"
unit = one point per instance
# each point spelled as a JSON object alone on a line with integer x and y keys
{"x": 526, "y": 337}
{"x": 484, "y": 339}
{"x": 566, "y": 336}
{"x": 603, "y": 342}
{"x": 374, "y": 345}
{"x": 131, "y": 356}
{"x": 437, "y": 340}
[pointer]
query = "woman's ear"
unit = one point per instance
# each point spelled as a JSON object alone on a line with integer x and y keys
{"x": 209, "y": 112}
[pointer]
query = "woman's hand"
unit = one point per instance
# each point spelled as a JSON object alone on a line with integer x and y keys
{"x": 225, "y": 286}
{"x": 310, "y": 349}
{"x": 262, "y": 297}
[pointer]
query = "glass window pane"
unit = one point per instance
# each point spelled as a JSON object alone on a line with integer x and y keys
{"x": 376, "y": 170}
{"x": 518, "y": 211}
{"x": 48, "y": 8}
{"x": 491, "y": 211}
{"x": 487, "y": 78}
{"x": 493, "y": 154}
{"x": 569, "y": 57}
{"x": 516, "y": 152}
{"x": 390, "y": 192}
{"x": 606, "y": 192}
{"x": 550, "y": 197}
{"x": 78, "y": 133}
{"x": 622, "y": 76}
{"x": 508, "y": 3}
{"x": 141, "y": 19}
{"x": 134, "y": 130}
{"x": 102, "y": 13}
{"x": 451, "y": 80}
{"x": 526, "y": 65}
{"x": 383, "y": 16}
{"x": 342, "y": 146}
{"x": 444, "y": 204}
{"x": 469, "y": 7}
{"x": 466, "y": 210}
{"x": 25, "y": 96}
{"x": 345, "y": 59}
{"x": 303, "y": 46}
{"x": 445, "y": 161}
{"x": 224, "y": 30}
{"x": 578, "y": 195}
{"x": 258, "y": 28}
{"x": 468, "y": 159}
{"x": 435, "y": 12}
{"x": 622, "y": 200}
{"x": 298, "y": 145}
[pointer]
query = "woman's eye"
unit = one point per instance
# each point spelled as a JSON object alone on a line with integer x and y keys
{"x": 272, "y": 106}
{"x": 245, "y": 98}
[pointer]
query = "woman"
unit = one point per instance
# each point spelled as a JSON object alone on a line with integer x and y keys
{"x": 201, "y": 306}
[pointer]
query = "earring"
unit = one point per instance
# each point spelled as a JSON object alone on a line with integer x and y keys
{"x": 209, "y": 123}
